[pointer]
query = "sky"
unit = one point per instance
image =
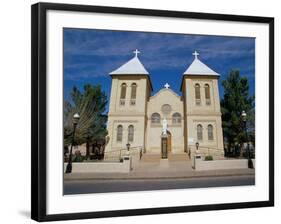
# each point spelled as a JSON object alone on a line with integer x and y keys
{"x": 90, "y": 55}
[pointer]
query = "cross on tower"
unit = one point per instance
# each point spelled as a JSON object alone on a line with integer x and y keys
{"x": 167, "y": 86}
{"x": 195, "y": 54}
{"x": 136, "y": 52}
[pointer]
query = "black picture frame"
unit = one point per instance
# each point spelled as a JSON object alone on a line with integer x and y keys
{"x": 38, "y": 116}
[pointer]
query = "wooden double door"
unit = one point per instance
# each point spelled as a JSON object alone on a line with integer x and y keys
{"x": 166, "y": 145}
{"x": 169, "y": 142}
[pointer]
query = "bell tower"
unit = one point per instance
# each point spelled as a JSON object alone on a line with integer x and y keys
{"x": 130, "y": 89}
{"x": 202, "y": 108}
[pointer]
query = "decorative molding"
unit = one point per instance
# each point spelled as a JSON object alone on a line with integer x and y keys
{"x": 204, "y": 121}
{"x": 131, "y": 114}
{"x": 175, "y": 125}
{"x": 125, "y": 121}
{"x": 203, "y": 113}
{"x": 156, "y": 125}
{"x": 161, "y": 90}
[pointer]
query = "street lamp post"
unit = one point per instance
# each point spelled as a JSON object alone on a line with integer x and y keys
{"x": 244, "y": 119}
{"x": 88, "y": 146}
{"x": 76, "y": 118}
{"x": 128, "y": 145}
{"x": 197, "y": 145}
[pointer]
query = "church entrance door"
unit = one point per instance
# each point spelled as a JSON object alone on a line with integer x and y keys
{"x": 169, "y": 141}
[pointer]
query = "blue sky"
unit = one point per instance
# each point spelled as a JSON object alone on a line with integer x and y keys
{"x": 90, "y": 55}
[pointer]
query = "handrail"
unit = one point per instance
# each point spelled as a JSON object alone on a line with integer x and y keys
{"x": 206, "y": 147}
{"x": 117, "y": 150}
{"x": 205, "y": 150}
{"x": 117, "y": 154}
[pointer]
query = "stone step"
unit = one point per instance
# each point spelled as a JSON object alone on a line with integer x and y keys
{"x": 149, "y": 157}
{"x": 178, "y": 157}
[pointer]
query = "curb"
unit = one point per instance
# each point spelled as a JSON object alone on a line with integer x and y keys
{"x": 158, "y": 178}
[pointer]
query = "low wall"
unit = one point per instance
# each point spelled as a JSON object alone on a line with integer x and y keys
{"x": 102, "y": 167}
{"x": 225, "y": 164}
{"x": 215, "y": 153}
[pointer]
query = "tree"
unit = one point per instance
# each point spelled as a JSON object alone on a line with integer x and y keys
{"x": 91, "y": 106}
{"x": 236, "y": 99}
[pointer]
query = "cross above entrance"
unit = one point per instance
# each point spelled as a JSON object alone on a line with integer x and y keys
{"x": 136, "y": 52}
{"x": 195, "y": 54}
{"x": 167, "y": 86}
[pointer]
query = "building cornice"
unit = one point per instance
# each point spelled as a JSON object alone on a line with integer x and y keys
{"x": 202, "y": 77}
{"x": 203, "y": 113}
{"x": 126, "y": 114}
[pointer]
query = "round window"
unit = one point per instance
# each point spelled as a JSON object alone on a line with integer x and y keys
{"x": 166, "y": 109}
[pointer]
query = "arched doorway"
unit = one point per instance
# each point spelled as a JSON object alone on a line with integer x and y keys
{"x": 169, "y": 141}
{"x": 166, "y": 144}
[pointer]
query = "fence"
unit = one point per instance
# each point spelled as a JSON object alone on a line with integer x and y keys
{"x": 117, "y": 155}
{"x": 206, "y": 151}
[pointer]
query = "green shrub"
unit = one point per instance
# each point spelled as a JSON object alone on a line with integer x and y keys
{"x": 208, "y": 158}
{"x": 77, "y": 157}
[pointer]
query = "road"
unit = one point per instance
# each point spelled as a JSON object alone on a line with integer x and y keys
{"x": 103, "y": 186}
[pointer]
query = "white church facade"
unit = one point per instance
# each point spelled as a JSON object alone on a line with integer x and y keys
{"x": 136, "y": 116}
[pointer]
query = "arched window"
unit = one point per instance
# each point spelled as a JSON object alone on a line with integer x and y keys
{"x": 199, "y": 132}
{"x": 130, "y": 133}
{"x": 197, "y": 94}
{"x": 133, "y": 94}
{"x": 207, "y": 94}
{"x": 123, "y": 93}
{"x": 119, "y": 133}
{"x": 176, "y": 118}
{"x": 210, "y": 132}
{"x": 155, "y": 118}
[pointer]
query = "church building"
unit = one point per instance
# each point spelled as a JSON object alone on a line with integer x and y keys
{"x": 136, "y": 116}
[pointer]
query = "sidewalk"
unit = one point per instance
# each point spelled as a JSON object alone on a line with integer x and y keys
{"x": 158, "y": 174}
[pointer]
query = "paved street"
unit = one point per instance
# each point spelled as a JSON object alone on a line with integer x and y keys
{"x": 119, "y": 185}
